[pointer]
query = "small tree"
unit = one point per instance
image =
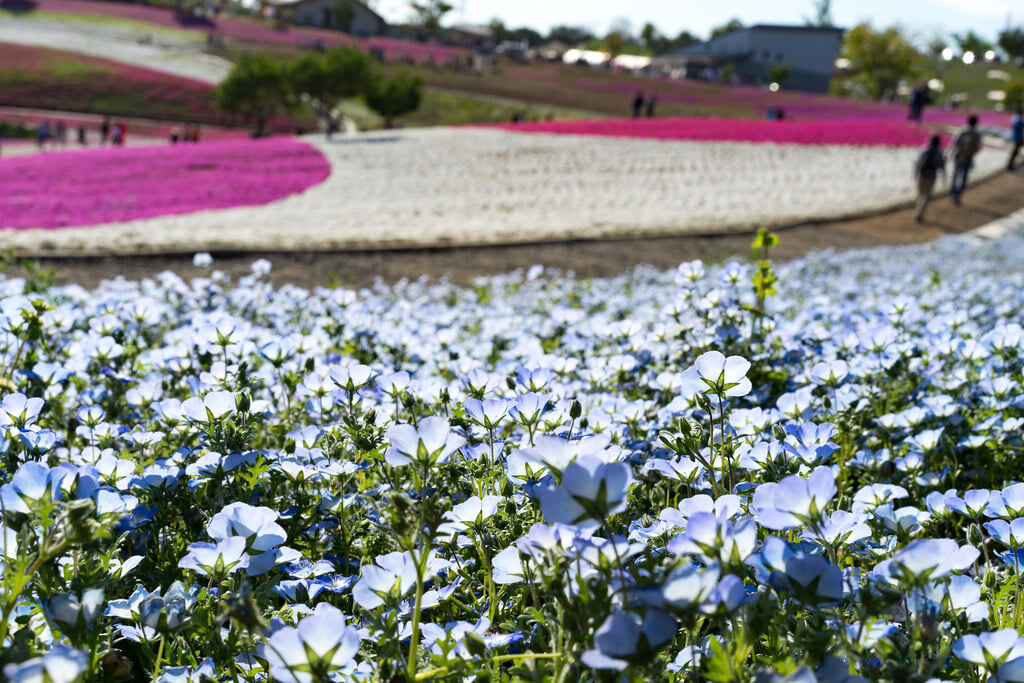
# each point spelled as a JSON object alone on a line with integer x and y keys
{"x": 254, "y": 89}
{"x": 329, "y": 78}
{"x": 394, "y": 97}
{"x": 879, "y": 59}
{"x": 822, "y": 14}
{"x": 429, "y": 14}
{"x": 972, "y": 42}
{"x": 728, "y": 27}
{"x": 1014, "y": 92}
{"x": 1012, "y": 42}
{"x": 344, "y": 12}
{"x": 778, "y": 73}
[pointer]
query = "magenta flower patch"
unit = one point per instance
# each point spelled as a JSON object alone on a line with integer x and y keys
{"x": 108, "y": 185}
{"x": 831, "y": 132}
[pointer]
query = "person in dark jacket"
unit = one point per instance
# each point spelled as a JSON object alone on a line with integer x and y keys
{"x": 929, "y": 165}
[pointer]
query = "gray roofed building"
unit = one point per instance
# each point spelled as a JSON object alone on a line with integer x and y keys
{"x": 350, "y": 16}
{"x": 808, "y": 51}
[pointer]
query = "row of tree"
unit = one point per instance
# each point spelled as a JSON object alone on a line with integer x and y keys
{"x": 260, "y": 87}
{"x": 878, "y": 60}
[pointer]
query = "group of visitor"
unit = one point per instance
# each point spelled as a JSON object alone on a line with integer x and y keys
{"x": 932, "y": 162}
{"x": 190, "y": 133}
{"x": 55, "y": 134}
{"x": 116, "y": 133}
{"x": 642, "y": 105}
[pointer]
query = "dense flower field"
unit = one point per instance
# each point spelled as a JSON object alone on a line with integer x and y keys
{"x": 96, "y": 186}
{"x": 749, "y": 101}
{"x": 256, "y": 31}
{"x": 706, "y": 474}
{"x": 829, "y": 132}
{"x": 41, "y": 78}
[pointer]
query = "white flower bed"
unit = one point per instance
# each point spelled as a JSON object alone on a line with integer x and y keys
{"x": 476, "y": 186}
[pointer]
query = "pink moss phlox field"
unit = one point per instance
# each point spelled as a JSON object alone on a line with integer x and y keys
{"x": 832, "y": 132}
{"x": 66, "y": 189}
{"x": 255, "y": 31}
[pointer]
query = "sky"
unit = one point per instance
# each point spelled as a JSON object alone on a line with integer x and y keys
{"x": 921, "y": 18}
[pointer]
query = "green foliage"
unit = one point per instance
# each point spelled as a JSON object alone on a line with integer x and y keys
{"x": 879, "y": 59}
{"x": 344, "y": 12}
{"x": 254, "y": 90}
{"x": 14, "y": 131}
{"x": 778, "y": 73}
{"x": 393, "y": 97}
{"x": 429, "y": 14}
{"x": 822, "y": 14}
{"x": 728, "y": 27}
{"x": 1014, "y": 93}
{"x": 1011, "y": 40}
{"x": 328, "y": 78}
{"x": 972, "y": 42}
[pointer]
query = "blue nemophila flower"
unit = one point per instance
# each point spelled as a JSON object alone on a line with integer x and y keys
{"x": 555, "y": 454}
{"x": 990, "y": 649}
{"x": 724, "y": 598}
{"x": 794, "y": 501}
{"x": 1014, "y": 559}
{"x": 687, "y": 586}
{"x": 206, "y": 671}
{"x": 390, "y": 577}
{"x": 1007, "y": 503}
{"x": 809, "y": 578}
{"x": 534, "y": 379}
{"x": 321, "y": 646}
{"x": 72, "y": 611}
{"x": 958, "y": 593}
{"x": 1010, "y": 534}
{"x": 928, "y": 559}
{"x": 91, "y": 415}
{"x": 591, "y": 490}
{"x": 216, "y": 560}
{"x": 830, "y": 373}
{"x": 625, "y": 635}
{"x": 260, "y": 531}
{"x": 350, "y": 378}
{"x": 30, "y": 483}
{"x": 212, "y": 407}
{"x": 450, "y": 638}
{"x": 871, "y": 496}
{"x": 973, "y": 504}
{"x": 155, "y": 612}
{"x": 839, "y": 529}
{"x": 16, "y": 410}
{"x": 60, "y": 664}
{"x": 713, "y": 373}
{"x": 487, "y": 413}
{"x": 810, "y": 444}
{"x": 715, "y": 538}
{"x": 507, "y": 567}
{"x": 432, "y": 441}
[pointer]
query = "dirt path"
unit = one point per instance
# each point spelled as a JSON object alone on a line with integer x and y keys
{"x": 983, "y": 203}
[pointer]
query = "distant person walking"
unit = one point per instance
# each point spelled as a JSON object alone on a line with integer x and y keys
{"x": 81, "y": 135}
{"x": 105, "y": 130}
{"x": 638, "y": 104}
{"x": 965, "y": 147}
{"x": 918, "y": 101}
{"x": 1016, "y": 136}
{"x": 929, "y": 165}
{"x": 42, "y": 134}
{"x": 651, "y": 103}
{"x": 61, "y": 137}
{"x": 117, "y": 134}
